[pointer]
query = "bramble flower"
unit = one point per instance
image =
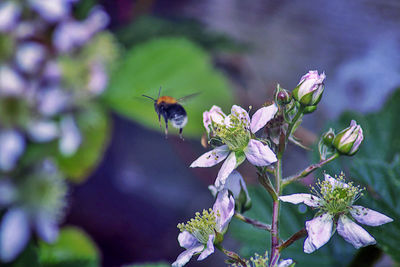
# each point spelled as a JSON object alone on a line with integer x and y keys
{"x": 236, "y": 131}
{"x": 199, "y": 234}
{"x": 36, "y": 203}
{"x": 349, "y": 140}
{"x": 262, "y": 260}
{"x": 335, "y": 199}
{"x": 310, "y": 88}
{"x": 237, "y": 186}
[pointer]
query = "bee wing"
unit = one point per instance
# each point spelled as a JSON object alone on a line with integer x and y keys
{"x": 188, "y": 97}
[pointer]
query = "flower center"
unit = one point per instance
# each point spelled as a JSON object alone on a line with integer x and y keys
{"x": 337, "y": 197}
{"x": 234, "y": 133}
{"x": 201, "y": 226}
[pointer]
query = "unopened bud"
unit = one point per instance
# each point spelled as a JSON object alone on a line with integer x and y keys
{"x": 348, "y": 141}
{"x": 282, "y": 96}
{"x": 310, "y": 88}
{"x": 328, "y": 137}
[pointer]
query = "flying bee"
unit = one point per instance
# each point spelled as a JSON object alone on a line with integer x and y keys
{"x": 170, "y": 109}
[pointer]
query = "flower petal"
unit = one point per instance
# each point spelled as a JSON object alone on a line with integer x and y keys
{"x": 42, "y": 131}
{"x": 285, "y": 263}
{"x": 224, "y": 206}
{"x": 70, "y": 136}
{"x": 46, "y": 228}
{"x": 308, "y": 199}
{"x": 226, "y": 169}
{"x": 259, "y": 154}
{"x": 14, "y": 234}
{"x": 212, "y": 157}
{"x": 235, "y": 183}
{"x": 215, "y": 114}
{"x": 368, "y": 216}
{"x": 9, "y": 14}
{"x": 319, "y": 230}
{"x": 353, "y": 233}
{"x": 187, "y": 240}
{"x": 262, "y": 116}
{"x": 308, "y": 246}
{"x": 185, "y": 256}
{"x": 242, "y": 114}
{"x": 209, "y": 248}
{"x": 334, "y": 182}
{"x": 12, "y": 145}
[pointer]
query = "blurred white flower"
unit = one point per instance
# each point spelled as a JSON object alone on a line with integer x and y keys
{"x": 11, "y": 82}
{"x": 38, "y": 205}
{"x": 12, "y": 145}
{"x": 52, "y": 101}
{"x": 98, "y": 78}
{"x": 9, "y": 14}
{"x": 70, "y": 136}
{"x": 70, "y": 34}
{"x": 51, "y": 10}
{"x": 29, "y": 56}
{"x": 42, "y": 131}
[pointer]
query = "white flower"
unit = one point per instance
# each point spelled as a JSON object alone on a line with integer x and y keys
{"x": 335, "y": 202}
{"x": 237, "y": 186}
{"x": 42, "y": 131}
{"x": 198, "y": 235}
{"x": 235, "y": 131}
{"x": 51, "y": 10}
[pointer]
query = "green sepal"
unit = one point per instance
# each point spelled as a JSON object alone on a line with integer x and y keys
{"x": 309, "y": 109}
{"x": 240, "y": 157}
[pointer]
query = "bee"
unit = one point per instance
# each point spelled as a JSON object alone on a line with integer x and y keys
{"x": 170, "y": 109}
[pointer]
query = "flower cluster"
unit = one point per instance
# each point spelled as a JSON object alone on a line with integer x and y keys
{"x": 236, "y": 133}
{"x": 51, "y": 66}
{"x": 199, "y": 234}
{"x": 334, "y": 199}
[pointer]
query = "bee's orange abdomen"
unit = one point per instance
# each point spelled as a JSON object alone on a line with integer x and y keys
{"x": 167, "y": 100}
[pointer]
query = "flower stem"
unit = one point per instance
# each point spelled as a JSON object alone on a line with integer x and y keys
{"x": 308, "y": 170}
{"x": 253, "y": 222}
{"x": 275, "y": 213}
{"x": 231, "y": 255}
{"x": 296, "y": 236}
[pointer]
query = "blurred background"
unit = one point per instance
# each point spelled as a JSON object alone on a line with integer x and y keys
{"x": 82, "y": 154}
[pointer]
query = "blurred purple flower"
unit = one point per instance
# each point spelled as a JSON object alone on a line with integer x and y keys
{"x": 11, "y": 82}
{"x": 98, "y": 78}
{"x": 70, "y": 136}
{"x": 9, "y": 14}
{"x": 29, "y": 56}
{"x": 12, "y": 145}
{"x": 71, "y": 34}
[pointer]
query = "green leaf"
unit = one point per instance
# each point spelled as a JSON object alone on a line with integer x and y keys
{"x": 73, "y": 248}
{"x": 292, "y": 219}
{"x": 376, "y": 166}
{"x": 94, "y": 124}
{"x": 146, "y": 28}
{"x": 382, "y": 180}
{"x": 29, "y": 257}
{"x": 180, "y": 68}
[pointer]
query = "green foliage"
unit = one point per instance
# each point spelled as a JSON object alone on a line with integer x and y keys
{"x": 73, "y": 248}
{"x": 94, "y": 124}
{"x": 29, "y": 257}
{"x": 292, "y": 219}
{"x": 376, "y": 166}
{"x": 180, "y": 68}
{"x": 146, "y": 28}
{"x": 382, "y": 180}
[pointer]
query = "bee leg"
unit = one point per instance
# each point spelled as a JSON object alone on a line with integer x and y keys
{"x": 180, "y": 133}
{"x": 159, "y": 120}
{"x": 166, "y": 127}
